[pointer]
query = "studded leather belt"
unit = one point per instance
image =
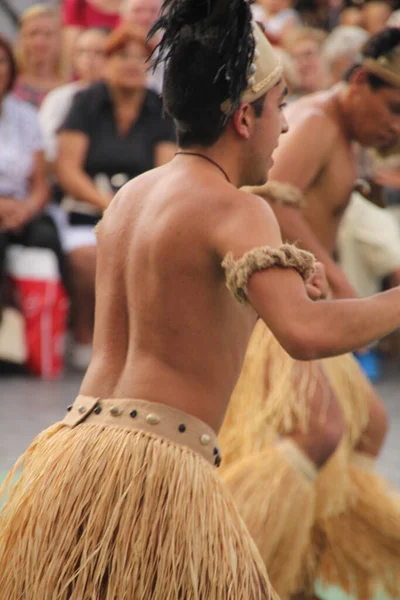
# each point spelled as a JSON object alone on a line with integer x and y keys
{"x": 153, "y": 417}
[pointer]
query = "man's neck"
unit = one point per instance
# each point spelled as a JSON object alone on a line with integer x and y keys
{"x": 219, "y": 155}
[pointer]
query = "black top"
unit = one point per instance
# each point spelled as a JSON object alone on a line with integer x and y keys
{"x": 109, "y": 152}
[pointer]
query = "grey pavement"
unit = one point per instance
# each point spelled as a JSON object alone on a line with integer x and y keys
{"x": 27, "y": 406}
{"x": 389, "y": 389}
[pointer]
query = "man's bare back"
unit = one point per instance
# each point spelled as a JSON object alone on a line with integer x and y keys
{"x": 326, "y": 169}
{"x": 167, "y": 329}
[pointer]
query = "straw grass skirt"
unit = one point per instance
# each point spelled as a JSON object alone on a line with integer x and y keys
{"x": 344, "y": 527}
{"x": 360, "y": 543}
{"x": 107, "y": 513}
{"x": 276, "y": 497}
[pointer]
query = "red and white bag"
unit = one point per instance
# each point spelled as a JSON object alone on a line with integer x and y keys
{"x": 44, "y": 304}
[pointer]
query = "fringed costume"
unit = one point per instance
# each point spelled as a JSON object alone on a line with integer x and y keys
{"x": 339, "y": 525}
{"x": 128, "y": 490}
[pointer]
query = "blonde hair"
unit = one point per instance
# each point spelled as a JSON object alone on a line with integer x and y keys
{"x": 31, "y": 13}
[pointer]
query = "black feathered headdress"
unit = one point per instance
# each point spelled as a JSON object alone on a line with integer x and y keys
{"x": 225, "y": 25}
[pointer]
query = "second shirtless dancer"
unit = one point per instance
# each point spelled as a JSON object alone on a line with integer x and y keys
{"x": 321, "y": 478}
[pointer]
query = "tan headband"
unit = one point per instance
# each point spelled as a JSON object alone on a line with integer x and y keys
{"x": 386, "y": 67}
{"x": 265, "y": 71}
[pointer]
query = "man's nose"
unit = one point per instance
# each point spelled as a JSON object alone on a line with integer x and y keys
{"x": 284, "y": 124}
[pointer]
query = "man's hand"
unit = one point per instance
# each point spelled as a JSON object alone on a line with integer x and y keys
{"x": 318, "y": 286}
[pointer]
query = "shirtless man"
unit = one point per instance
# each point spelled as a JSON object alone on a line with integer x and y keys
{"x": 325, "y": 405}
{"x": 364, "y": 110}
{"x": 327, "y": 127}
{"x": 120, "y": 500}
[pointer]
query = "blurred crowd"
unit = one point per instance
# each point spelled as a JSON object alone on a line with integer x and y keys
{"x": 81, "y": 114}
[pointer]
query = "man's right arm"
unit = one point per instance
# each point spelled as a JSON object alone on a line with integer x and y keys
{"x": 306, "y": 329}
{"x": 310, "y": 330}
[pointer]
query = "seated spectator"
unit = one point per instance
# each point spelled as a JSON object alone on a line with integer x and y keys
{"x": 78, "y": 15}
{"x": 375, "y": 15}
{"x": 113, "y": 132}
{"x": 140, "y": 12}
{"x": 341, "y": 49}
{"x": 320, "y": 14}
{"x": 88, "y": 66}
{"x": 385, "y": 172}
{"x": 23, "y": 184}
{"x": 369, "y": 246}
{"x": 38, "y": 54}
{"x": 144, "y": 13}
{"x": 369, "y": 252}
{"x": 305, "y": 47}
{"x": 289, "y": 72}
{"x": 278, "y": 17}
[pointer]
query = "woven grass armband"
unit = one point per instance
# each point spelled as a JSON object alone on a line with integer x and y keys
{"x": 284, "y": 194}
{"x": 276, "y": 192}
{"x": 238, "y": 272}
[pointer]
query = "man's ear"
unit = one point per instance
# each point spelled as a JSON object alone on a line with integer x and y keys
{"x": 243, "y": 121}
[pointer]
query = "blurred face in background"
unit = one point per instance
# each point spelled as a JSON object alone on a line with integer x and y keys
{"x": 141, "y": 12}
{"x": 309, "y": 64}
{"x": 40, "y": 39}
{"x": 375, "y": 114}
{"x": 375, "y": 16}
{"x": 126, "y": 68}
{"x": 89, "y": 55}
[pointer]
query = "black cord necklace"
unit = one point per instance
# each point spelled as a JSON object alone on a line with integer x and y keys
{"x": 209, "y": 160}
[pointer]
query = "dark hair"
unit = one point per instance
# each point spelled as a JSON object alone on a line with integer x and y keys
{"x": 381, "y": 44}
{"x": 208, "y": 48}
{"x": 6, "y": 47}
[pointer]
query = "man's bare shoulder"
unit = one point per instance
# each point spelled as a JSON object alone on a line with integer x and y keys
{"x": 202, "y": 206}
{"x": 134, "y": 192}
{"x": 314, "y": 119}
{"x": 118, "y": 216}
{"x": 242, "y": 204}
{"x": 246, "y": 222}
{"x": 306, "y": 149}
{"x": 138, "y": 184}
